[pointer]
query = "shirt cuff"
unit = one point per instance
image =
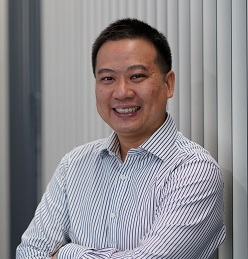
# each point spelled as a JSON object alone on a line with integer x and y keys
{"x": 72, "y": 251}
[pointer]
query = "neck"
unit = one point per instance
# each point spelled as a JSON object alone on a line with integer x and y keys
{"x": 127, "y": 144}
{"x": 129, "y": 141}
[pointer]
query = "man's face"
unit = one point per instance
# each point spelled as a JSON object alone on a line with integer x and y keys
{"x": 131, "y": 90}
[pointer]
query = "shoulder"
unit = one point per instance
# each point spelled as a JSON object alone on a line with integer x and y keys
{"x": 191, "y": 151}
{"x": 195, "y": 162}
{"x": 88, "y": 151}
{"x": 80, "y": 161}
{"x": 94, "y": 147}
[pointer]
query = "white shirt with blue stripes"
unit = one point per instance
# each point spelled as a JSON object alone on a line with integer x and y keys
{"x": 164, "y": 201}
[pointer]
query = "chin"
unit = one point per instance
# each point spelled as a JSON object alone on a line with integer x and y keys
{"x": 127, "y": 131}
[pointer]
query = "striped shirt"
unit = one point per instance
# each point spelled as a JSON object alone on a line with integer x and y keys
{"x": 164, "y": 201}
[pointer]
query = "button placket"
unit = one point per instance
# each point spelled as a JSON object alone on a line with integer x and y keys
{"x": 120, "y": 186}
{"x": 113, "y": 215}
{"x": 123, "y": 177}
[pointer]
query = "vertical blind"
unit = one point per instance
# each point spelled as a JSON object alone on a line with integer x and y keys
{"x": 208, "y": 39}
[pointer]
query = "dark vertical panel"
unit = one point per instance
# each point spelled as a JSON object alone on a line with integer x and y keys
{"x": 24, "y": 94}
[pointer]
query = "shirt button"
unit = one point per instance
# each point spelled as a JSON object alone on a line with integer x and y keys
{"x": 112, "y": 215}
{"x": 123, "y": 177}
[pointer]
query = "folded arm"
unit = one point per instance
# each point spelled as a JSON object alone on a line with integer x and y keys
{"x": 188, "y": 224}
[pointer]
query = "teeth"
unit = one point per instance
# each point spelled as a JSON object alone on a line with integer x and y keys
{"x": 129, "y": 110}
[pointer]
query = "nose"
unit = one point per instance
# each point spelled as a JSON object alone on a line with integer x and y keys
{"x": 123, "y": 90}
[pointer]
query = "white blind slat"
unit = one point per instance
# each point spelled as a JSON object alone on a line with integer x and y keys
{"x": 224, "y": 114}
{"x": 239, "y": 127}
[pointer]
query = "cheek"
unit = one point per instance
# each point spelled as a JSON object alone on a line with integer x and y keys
{"x": 99, "y": 93}
{"x": 158, "y": 91}
{"x": 98, "y": 101}
{"x": 157, "y": 97}
{"x": 102, "y": 99}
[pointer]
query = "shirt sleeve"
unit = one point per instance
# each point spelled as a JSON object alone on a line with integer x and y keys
{"x": 189, "y": 222}
{"x": 48, "y": 230}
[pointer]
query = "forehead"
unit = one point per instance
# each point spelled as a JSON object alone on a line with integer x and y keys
{"x": 126, "y": 50}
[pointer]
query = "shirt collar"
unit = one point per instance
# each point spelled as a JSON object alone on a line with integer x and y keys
{"x": 162, "y": 141}
{"x": 111, "y": 145}
{"x": 159, "y": 144}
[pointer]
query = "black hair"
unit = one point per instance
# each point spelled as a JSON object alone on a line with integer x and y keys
{"x": 129, "y": 28}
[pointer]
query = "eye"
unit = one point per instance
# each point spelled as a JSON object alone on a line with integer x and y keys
{"x": 107, "y": 78}
{"x": 138, "y": 77}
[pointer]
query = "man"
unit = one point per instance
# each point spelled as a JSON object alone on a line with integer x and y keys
{"x": 144, "y": 192}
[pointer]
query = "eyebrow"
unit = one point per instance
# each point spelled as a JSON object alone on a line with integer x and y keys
{"x": 108, "y": 70}
{"x": 105, "y": 70}
{"x": 141, "y": 67}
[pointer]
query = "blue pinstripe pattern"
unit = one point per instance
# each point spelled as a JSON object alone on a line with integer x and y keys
{"x": 164, "y": 201}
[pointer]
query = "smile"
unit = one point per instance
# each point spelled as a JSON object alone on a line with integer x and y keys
{"x": 128, "y": 110}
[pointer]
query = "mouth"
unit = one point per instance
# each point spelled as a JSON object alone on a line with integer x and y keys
{"x": 127, "y": 110}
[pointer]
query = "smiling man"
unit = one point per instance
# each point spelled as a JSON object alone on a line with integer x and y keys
{"x": 145, "y": 191}
{"x": 131, "y": 90}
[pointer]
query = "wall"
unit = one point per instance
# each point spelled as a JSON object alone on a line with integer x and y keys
{"x": 4, "y": 168}
{"x": 209, "y": 46}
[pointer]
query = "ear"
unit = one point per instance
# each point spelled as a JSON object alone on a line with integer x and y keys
{"x": 170, "y": 83}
